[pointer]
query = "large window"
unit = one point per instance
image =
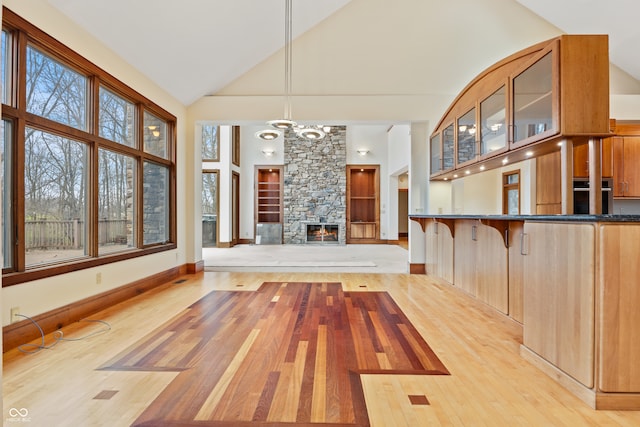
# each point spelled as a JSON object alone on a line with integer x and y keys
{"x": 117, "y": 118}
{"x": 87, "y": 163}
{"x": 116, "y": 202}
{"x": 55, "y": 201}
{"x": 7, "y": 192}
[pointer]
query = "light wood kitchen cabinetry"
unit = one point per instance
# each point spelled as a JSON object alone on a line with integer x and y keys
{"x": 548, "y": 194}
{"x": 620, "y": 309}
{"x": 573, "y": 284}
{"x": 465, "y": 253}
{"x": 559, "y": 291}
{"x": 558, "y": 89}
{"x": 439, "y": 251}
{"x": 626, "y": 169}
{"x": 516, "y": 270}
{"x": 481, "y": 263}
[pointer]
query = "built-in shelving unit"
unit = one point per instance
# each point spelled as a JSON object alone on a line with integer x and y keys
{"x": 268, "y": 204}
{"x": 363, "y": 203}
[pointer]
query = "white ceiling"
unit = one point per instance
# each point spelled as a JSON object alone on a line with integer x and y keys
{"x": 192, "y": 48}
{"x": 209, "y": 42}
{"x": 618, "y": 18}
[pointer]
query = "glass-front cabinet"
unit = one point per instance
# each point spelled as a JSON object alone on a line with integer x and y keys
{"x": 467, "y": 144}
{"x": 557, "y": 88}
{"x": 534, "y": 106}
{"x": 435, "y": 152}
{"x": 448, "y": 148}
{"x": 493, "y": 123}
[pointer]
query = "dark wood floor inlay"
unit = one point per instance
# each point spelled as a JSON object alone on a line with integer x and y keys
{"x": 105, "y": 394}
{"x": 418, "y": 399}
{"x": 289, "y": 353}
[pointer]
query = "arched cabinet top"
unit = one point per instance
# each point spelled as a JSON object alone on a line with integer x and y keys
{"x": 555, "y": 89}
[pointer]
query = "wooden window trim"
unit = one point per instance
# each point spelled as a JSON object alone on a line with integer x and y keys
{"x": 506, "y": 187}
{"x": 24, "y": 33}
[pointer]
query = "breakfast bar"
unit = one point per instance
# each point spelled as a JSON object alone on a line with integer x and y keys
{"x": 570, "y": 280}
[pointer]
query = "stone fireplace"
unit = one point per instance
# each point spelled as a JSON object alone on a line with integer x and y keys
{"x": 315, "y": 185}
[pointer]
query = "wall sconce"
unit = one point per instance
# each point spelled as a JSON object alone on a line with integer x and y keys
{"x": 268, "y": 152}
{"x": 362, "y": 151}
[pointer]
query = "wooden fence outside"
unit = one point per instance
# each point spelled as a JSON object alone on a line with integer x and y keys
{"x": 69, "y": 234}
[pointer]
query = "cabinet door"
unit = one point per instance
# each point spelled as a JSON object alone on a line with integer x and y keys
{"x": 631, "y": 166}
{"x": 535, "y": 104}
{"x": 620, "y": 335}
{"x": 435, "y": 152}
{"x": 548, "y": 191}
{"x": 465, "y": 250}
{"x": 492, "y": 285}
{"x": 618, "y": 166}
{"x": 581, "y": 159}
{"x": 559, "y": 287}
{"x": 516, "y": 270}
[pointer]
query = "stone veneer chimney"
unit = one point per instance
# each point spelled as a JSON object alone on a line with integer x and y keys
{"x": 315, "y": 184}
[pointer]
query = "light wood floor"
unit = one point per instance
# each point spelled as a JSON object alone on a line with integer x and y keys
{"x": 489, "y": 383}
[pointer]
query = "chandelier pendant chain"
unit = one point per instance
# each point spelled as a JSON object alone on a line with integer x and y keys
{"x": 288, "y": 64}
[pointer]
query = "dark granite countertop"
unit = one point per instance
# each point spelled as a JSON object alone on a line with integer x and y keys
{"x": 547, "y": 218}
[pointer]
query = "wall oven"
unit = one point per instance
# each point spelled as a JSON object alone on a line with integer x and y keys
{"x": 581, "y": 196}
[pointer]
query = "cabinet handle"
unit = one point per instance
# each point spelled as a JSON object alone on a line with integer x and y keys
{"x": 474, "y": 235}
{"x": 436, "y": 229}
{"x": 524, "y": 244}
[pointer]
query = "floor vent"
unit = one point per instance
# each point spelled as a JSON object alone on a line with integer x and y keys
{"x": 179, "y": 281}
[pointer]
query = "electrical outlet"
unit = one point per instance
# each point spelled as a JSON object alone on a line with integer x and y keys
{"x": 98, "y": 278}
{"x": 14, "y": 314}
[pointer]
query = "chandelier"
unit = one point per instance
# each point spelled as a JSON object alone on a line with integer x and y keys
{"x": 287, "y": 123}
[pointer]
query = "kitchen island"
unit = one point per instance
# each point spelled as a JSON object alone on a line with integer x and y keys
{"x": 572, "y": 281}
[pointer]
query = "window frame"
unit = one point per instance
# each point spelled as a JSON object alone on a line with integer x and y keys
{"x": 506, "y": 187}
{"x": 22, "y": 33}
{"x": 216, "y": 157}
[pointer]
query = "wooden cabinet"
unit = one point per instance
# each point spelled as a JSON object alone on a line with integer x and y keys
{"x": 516, "y": 271}
{"x": 559, "y": 290}
{"x": 481, "y": 263}
{"x": 363, "y": 203}
{"x": 552, "y": 90}
{"x": 626, "y": 166}
{"x": 581, "y": 159}
{"x": 620, "y": 316}
{"x": 439, "y": 251}
{"x": 548, "y": 181}
{"x": 535, "y": 99}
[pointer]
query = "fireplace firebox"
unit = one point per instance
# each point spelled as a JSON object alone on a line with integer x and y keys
{"x": 322, "y": 233}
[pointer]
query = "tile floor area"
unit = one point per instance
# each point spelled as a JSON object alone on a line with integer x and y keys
{"x": 308, "y": 258}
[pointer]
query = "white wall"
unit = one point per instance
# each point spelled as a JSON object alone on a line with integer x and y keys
{"x": 43, "y": 295}
{"x": 375, "y": 139}
{"x": 481, "y": 194}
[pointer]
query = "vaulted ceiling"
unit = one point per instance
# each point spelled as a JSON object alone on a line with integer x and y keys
{"x": 194, "y": 48}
